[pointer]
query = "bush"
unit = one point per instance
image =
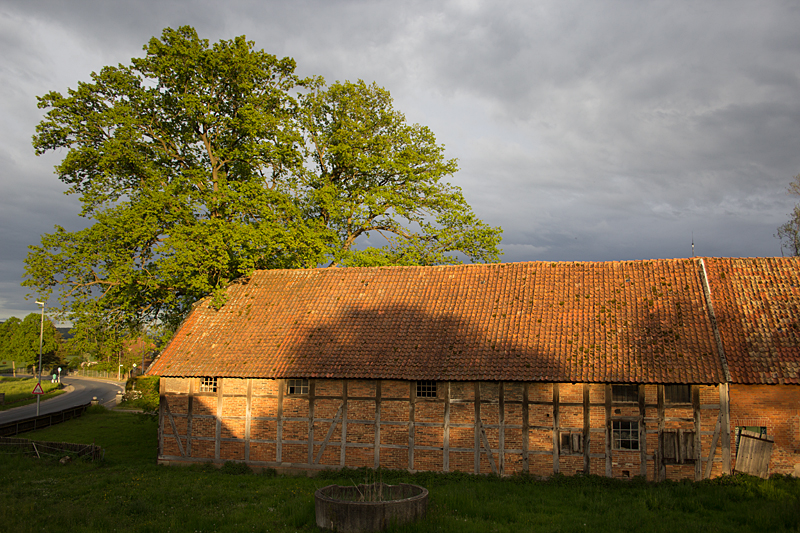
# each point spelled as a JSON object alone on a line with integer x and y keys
{"x": 141, "y": 392}
{"x": 235, "y": 468}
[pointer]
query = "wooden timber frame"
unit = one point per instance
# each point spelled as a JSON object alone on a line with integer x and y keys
{"x": 478, "y": 427}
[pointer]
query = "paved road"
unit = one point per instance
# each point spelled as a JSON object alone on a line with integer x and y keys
{"x": 83, "y": 389}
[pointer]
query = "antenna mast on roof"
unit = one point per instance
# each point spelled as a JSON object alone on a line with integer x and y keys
{"x": 692, "y": 244}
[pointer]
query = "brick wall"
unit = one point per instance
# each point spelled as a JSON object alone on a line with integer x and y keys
{"x": 476, "y": 427}
{"x": 776, "y": 407}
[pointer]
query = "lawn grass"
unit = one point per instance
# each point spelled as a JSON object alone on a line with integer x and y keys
{"x": 127, "y": 491}
{"x": 18, "y": 391}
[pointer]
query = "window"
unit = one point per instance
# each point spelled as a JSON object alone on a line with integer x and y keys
{"x": 208, "y": 384}
{"x": 297, "y": 386}
{"x": 625, "y": 435}
{"x": 624, "y": 393}
{"x": 677, "y": 446}
{"x": 759, "y": 432}
{"x": 426, "y": 389}
{"x": 678, "y": 393}
{"x": 570, "y": 442}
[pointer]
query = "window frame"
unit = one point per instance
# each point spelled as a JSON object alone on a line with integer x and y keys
{"x": 632, "y": 432}
{"x": 297, "y": 386}
{"x": 570, "y": 443}
{"x": 670, "y": 394}
{"x": 208, "y": 384}
{"x": 621, "y": 393}
{"x": 427, "y": 389}
{"x": 682, "y": 445}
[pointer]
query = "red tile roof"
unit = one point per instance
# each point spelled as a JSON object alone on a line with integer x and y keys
{"x": 629, "y": 321}
{"x": 757, "y": 305}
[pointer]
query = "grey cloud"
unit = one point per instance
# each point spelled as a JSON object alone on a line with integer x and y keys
{"x": 588, "y": 130}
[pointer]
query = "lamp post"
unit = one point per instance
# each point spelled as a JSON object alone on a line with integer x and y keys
{"x": 41, "y": 336}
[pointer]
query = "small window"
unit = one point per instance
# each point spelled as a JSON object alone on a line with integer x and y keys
{"x": 426, "y": 389}
{"x": 677, "y": 446}
{"x": 208, "y": 384}
{"x": 678, "y": 393}
{"x": 624, "y": 393}
{"x": 297, "y": 386}
{"x": 570, "y": 442}
{"x": 625, "y": 435}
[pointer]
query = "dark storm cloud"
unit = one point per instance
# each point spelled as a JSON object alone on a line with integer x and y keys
{"x": 587, "y": 130}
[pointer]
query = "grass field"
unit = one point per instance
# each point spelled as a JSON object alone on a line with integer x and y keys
{"x": 127, "y": 491}
{"x": 18, "y": 391}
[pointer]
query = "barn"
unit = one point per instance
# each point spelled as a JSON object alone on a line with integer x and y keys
{"x": 667, "y": 369}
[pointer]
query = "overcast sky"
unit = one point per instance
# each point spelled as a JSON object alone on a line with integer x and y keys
{"x": 589, "y": 131}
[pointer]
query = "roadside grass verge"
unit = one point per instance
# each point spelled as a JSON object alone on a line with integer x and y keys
{"x": 127, "y": 491}
{"x": 18, "y": 391}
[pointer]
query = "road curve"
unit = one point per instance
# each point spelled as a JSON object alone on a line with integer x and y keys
{"x": 82, "y": 392}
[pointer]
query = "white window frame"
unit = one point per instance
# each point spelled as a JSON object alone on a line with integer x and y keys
{"x": 208, "y": 384}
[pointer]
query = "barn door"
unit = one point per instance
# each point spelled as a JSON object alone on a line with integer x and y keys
{"x": 753, "y": 453}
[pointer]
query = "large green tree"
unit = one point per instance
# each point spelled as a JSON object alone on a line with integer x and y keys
{"x": 199, "y": 163}
{"x": 374, "y": 173}
{"x": 19, "y": 341}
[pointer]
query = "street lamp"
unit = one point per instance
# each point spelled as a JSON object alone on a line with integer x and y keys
{"x": 41, "y": 335}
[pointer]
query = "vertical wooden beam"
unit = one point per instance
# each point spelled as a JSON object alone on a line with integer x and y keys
{"x": 525, "y": 428}
{"x": 586, "y": 430}
{"x": 556, "y": 425}
{"x": 642, "y": 435}
{"x": 248, "y": 418}
{"x": 698, "y": 463}
{"x": 660, "y": 467}
{"x": 279, "y": 423}
{"x": 189, "y": 410}
{"x": 162, "y": 403}
{"x": 446, "y": 430}
{"x": 312, "y": 389}
{"x": 377, "y": 438}
{"x": 477, "y": 385}
{"x": 725, "y": 425}
{"x": 501, "y": 453}
{"x": 343, "y": 448}
{"x": 609, "y": 430}
{"x": 412, "y": 403}
{"x": 218, "y": 432}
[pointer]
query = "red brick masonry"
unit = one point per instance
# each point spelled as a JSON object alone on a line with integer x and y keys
{"x": 476, "y": 427}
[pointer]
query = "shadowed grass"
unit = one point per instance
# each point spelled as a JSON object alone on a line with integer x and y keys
{"x": 129, "y": 492}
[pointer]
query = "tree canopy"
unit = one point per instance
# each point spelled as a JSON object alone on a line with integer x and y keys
{"x": 199, "y": 163}
{"x": 19, "y": 340}
{"x": 789, "y": 233}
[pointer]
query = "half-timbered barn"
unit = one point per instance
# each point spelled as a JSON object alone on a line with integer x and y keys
{"x": 663, "y": 369}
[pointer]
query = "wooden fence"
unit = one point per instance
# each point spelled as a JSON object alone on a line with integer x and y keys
{"x": 42, "y": 421}
{"x": 51, "y": 449}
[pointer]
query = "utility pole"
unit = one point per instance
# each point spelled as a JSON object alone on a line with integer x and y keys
{"x": 41, "y": 336}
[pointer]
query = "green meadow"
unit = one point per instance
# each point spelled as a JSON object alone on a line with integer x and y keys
{"x": 19, "y": 391}
{"x": 127, "y": 491}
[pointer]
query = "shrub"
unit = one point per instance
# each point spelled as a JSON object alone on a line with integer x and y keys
{"x": 142, "y": 392}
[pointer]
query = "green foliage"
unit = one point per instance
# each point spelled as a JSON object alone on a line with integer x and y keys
{"x": 235, "y": 468}
{"x": 789, "y": 233}
{"x": 19, "y": 389}
{"x": 199, "y": 163}
{"x": 374, "y": 173}
{"x": 142, "y": 392}
{"x": 19, "y": 341}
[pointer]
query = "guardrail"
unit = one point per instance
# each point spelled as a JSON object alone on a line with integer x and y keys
{"x": 42, "y": 421}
